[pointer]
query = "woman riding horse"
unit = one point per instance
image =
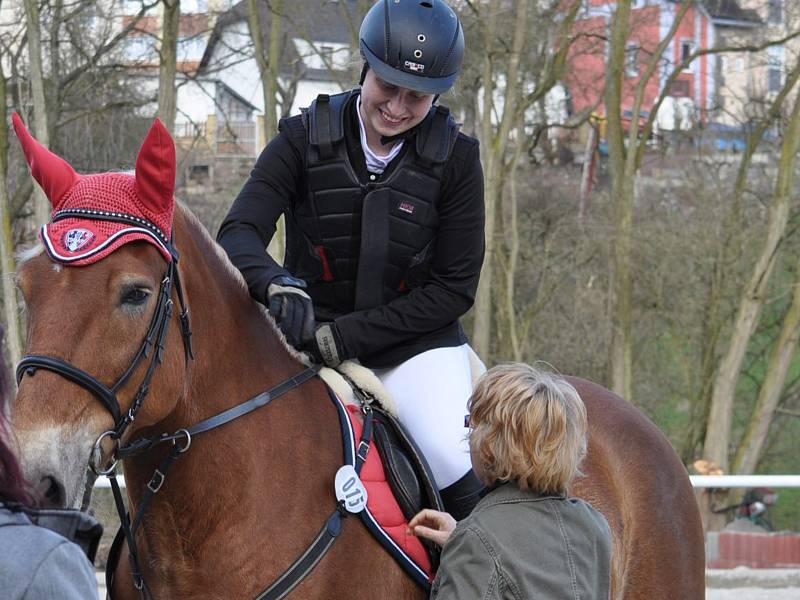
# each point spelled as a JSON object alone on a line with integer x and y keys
{"x": 113, "y": 372}
{"x": 383, "y": 201}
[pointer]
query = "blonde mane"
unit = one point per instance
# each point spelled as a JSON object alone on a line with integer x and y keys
{"x": 213, "y": 251}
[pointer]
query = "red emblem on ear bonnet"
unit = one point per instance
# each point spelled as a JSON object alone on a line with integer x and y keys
{"x": 93, "y": 215}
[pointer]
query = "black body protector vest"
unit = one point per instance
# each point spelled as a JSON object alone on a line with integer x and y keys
{"x": 361, "y": 245}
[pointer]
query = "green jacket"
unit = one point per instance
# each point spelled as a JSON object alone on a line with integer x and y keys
{"x": 520, "y": 545}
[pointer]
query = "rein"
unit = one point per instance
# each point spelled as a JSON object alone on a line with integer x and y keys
{"x": 153, "y": 348}
{"x": 130, "y": 528}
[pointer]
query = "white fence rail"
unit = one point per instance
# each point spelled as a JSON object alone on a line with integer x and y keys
{"x": 745, "y": 481}
{"x": 698, "y": 481}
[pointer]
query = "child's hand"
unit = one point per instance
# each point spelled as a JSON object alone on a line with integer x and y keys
{"x": 433, "y": 525}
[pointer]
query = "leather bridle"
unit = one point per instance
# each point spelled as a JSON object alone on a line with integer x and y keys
{"x": 152, "y": 349}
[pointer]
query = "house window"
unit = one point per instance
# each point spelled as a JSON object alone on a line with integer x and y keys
{"x": 140, "y": 47}
{"x": 631, "y": 61}
{"x": 680, "y": 88}
{"x": 199, "y": 173}
{"x": 131, "y": 7}
{"x": 687, "y": 47}
{"x": 775, "y": 55}
{"x": 191, "y": 48}
{"x": 194, "y": 6}
{"x": 775, "y": 12}
{"x": 326, "y": 54}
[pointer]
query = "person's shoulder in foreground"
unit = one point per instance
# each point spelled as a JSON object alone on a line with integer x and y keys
{"x": 39, "y": 564}
{"x": 519, "y": 544}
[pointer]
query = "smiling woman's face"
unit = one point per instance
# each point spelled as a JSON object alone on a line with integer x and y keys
{"x": 388, "y": 110}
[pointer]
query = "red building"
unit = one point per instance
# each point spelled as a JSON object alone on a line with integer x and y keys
{"x": 651, "y": 20}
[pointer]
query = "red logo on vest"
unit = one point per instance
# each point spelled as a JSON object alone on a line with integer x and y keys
{"x": 407, "y": 207}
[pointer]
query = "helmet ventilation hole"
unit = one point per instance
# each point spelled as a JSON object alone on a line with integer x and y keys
{"x": 426, "y": 4}
{"x": 417, "y": 53}
{"x": 421, "y": 38}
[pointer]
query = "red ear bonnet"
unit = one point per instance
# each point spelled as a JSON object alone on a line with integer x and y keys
{"x": 55, "y": 175}
{"x": 155, "y": 169}
{"x": 93, "y": 215}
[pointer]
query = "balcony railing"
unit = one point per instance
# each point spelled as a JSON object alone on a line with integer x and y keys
{"x": 236, "y": 138}
{"x": 190, "y": 130}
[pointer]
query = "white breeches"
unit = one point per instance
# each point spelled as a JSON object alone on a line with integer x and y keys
{"x": 431, "y": 390}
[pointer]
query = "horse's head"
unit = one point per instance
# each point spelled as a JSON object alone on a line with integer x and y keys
{"x": 98, "y": 308}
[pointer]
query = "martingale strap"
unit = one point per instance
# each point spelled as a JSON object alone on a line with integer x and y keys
{"x": 129, "y": 528}
{"x": 330, "y": 531}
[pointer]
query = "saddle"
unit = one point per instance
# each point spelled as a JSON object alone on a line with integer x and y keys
{"x": 407, "y": 472}
{"x": 397, "y": 478}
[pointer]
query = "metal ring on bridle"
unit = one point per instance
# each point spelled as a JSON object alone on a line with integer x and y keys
{"x": 98, "y": 451}
{"x": 188, "y": 437}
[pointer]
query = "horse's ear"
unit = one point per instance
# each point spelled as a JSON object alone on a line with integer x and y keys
{"x": 155, "y": 169}
{"x": 55, "y": 175}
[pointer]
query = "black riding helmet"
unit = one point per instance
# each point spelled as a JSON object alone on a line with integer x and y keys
{"x": 415, "y": 44}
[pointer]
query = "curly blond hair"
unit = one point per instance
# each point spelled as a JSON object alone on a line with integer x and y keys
{"x": 528, "y": 427}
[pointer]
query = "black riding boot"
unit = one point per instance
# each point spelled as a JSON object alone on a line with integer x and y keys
{"x": 461, "y": 497}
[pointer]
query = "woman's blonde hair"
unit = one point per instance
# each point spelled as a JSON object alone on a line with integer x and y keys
{"x": 529, "y": 427}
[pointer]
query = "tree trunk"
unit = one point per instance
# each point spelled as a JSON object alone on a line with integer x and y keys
{"x": 512, "y": 246}
{"x": 730, "y": 246}
{"x": 41, "y": 210}
{"x": 769, "y": 394}
{"x": 495, "y": 162}
{"x": 168, "y": 65}
{"x": 482, "y": 329}
{"x": 268, "y": 68}
{"x": 624, "y": 165}
{"x": 7, "y": 267}
{"x": 271, "y": 84}
{"x": 622, "y": 194}
{"x": 716, "y": 444}
{"x": 268, "y": 62}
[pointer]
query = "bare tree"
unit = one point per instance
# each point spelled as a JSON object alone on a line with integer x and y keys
{"x": 167, "y": 92}
{"x": 717, "y": 440}
{"x": 728, "y": 253}
{"x": 41, "y": 213}
{"x": 268, "y": 62}
{"x": 769, "y": 395}
{"x": 540, "y": 62}
{"x": 7, "y": 266}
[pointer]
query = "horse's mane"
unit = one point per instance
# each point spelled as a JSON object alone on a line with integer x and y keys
{"x": 232, "y": 278}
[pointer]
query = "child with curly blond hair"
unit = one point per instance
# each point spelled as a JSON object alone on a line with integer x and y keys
{"x": 526, "y": 538}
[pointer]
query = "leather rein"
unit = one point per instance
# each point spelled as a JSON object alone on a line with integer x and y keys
{"x": 152, "y": 348}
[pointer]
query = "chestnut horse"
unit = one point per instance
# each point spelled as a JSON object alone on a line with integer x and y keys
{"x": 247, "y": 498}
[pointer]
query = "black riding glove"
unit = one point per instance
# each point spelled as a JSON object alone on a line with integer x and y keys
{"x": 327, "y": 346}
{"x": 292, "y": 309}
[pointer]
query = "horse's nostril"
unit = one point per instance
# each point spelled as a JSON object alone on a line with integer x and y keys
{"x": 52, "y": 491}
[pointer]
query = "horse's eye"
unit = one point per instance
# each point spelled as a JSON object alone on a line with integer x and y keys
{"x": 135, "y": 296}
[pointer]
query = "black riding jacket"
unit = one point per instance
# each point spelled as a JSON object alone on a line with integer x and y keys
{"x": 392, "y": 259}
